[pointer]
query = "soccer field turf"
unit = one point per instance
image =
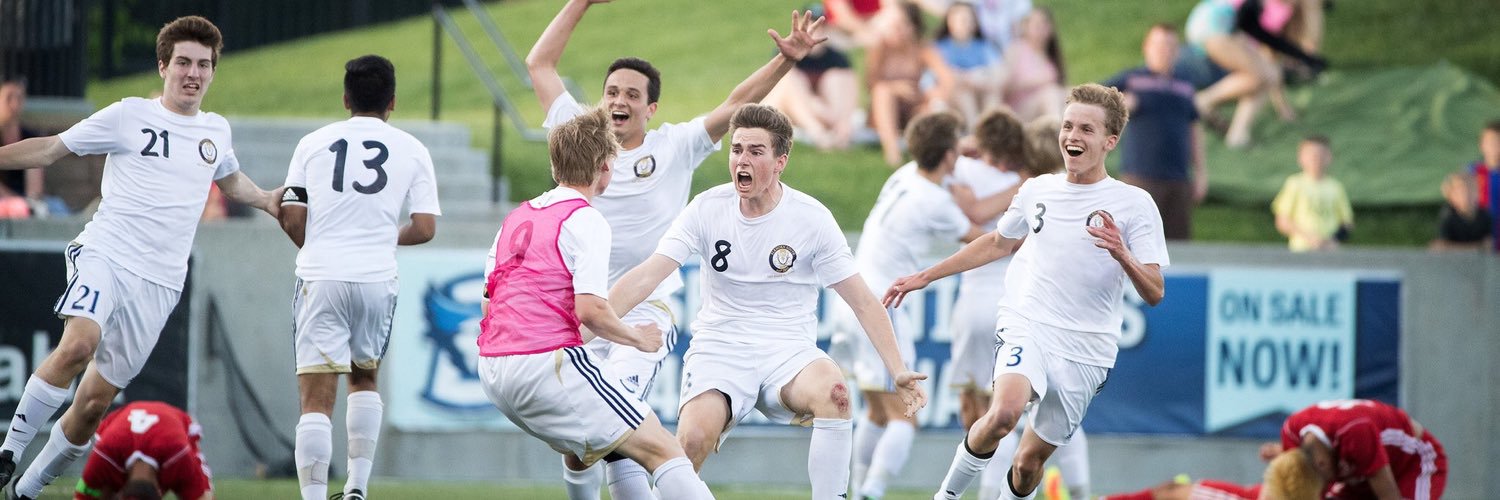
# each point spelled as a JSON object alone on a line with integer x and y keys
{"x": 392, "y": 489}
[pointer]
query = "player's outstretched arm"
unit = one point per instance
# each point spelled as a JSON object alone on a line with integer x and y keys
{"x": 419, "y": 230}
{"x": 36, "y": 152}
{"x": 1146, "y": 278}
{"x": 240, "y": 189}
{"x": 598, "y": 318}
{"x": 877, "y": 325}
{"x": 541, "y": 62}
{"x": 637, "y": 284}
{"x": 983, "y": 250}
{"x": 795, "y": 46}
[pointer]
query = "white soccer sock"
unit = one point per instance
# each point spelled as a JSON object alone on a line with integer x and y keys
{"x": 56, "y": 455}
{"x": 583, "y": 484}
{"x": 1008, "y": 492}
{"x": 960, "y": 473}
{"x": 890, "y": 457}
{"x": 362, "y": 422}
{"x": 39, "y": 401}
{"x": 828, "y": 457}
{"x": 866, "y": 438}
{"x": 627, "y": 481}
{"x": 314, "y": 451}
{"x": 1073, "y": 460}
{"x": 676, "y": 480}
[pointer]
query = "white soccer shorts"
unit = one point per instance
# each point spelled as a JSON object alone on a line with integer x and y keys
{"x": 629, "y": 368}
{"x": 869, "y": 370}
{"x": 750, "y": 376}
{"x": 972, "y": 362}
{"x": 339, "y": 324}
{"x": 1061, "y": 389}
{"x": 563, "y": 398}
{"x": 129, "y": 310}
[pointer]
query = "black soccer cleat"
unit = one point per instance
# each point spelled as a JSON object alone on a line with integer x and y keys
{"x": 351, "y": 495}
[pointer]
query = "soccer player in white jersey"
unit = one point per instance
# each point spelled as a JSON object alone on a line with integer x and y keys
{"x": 547, "y": 281}
{"x": 768, "y": 249}
{"x": 653, "y": 176}
{"x": 1086, "y": 235}
{"x": 914, "y": 222}
{"x": 127, "y": 267}
{"x": 346, "y": 185}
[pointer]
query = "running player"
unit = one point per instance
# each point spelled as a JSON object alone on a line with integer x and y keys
{"x": 346, "y": 185}
{"x": 547, "y": 279}
{"x": 914, "y": 222}
{"x": 127, "y": 267}
{"x": 653, "y": 176}
{"x": 1060, "y": 321}
{"x": 770, "y": 249}
{"x": 142, "y": 450}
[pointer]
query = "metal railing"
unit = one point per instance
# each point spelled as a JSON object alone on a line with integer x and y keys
{"x": 504, "y": 108}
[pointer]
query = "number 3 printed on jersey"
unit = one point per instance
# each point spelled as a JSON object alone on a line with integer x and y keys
{"x": 340, "y": 150}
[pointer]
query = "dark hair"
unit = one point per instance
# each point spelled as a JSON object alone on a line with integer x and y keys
{"x": 1054, "y": 50}
{"x": 1319, "y": 139}
{"x": 913, "y": 15}
{"x": 140, "y": 489}
{"x": 1001, "y": 137}
{"x": 188, "y": 29}
{"x": 370, "y": 84}
{"x": 14, "y": 80}
{"x": 653, "y": 77}
{"x": 1493, "y": 126}
{"x": 942, "y": 30}
{"x": 765, "y": 118}
{"x": 931, "y": 136}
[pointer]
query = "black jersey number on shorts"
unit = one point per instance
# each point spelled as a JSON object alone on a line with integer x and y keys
{"x": 720, "y": 260}
{"x": 150, "y": 149}
{"x": 1041, "y": 209}
{"x": 340, "y": 150}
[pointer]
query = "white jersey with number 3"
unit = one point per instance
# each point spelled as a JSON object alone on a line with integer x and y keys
{"x": 156, "y": 180}
{"x": 761, "y": 276}
{"x": 1068, "y": 281}
{"x": 648, "y": 186}
{"x": 358, "y": 173}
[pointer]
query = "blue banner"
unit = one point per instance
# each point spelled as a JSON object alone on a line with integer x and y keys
{"x": 1229, "y": 352}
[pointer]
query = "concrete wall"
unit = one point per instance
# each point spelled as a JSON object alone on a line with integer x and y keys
{"x": 1450, "y": 379}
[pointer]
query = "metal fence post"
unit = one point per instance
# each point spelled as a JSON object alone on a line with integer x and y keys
{"x": 437, "y": 59}
{"x": 495, "y": 165}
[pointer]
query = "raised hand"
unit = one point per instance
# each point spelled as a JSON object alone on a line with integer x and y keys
{"x": 1107, "y": 237}
{"x": 908, "y": 386}
{"x": 901, "y": 287}
{"x": 648, "y": 337}
{"x": 803, "y": 37}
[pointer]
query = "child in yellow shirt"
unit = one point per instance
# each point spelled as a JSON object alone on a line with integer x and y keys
{"x": 1312, "y": 209}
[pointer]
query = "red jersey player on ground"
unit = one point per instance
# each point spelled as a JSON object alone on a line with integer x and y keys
{"x": 1361, "y": 449}
{"x": 143, "y": 449}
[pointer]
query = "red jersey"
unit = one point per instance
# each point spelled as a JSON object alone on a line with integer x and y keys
{"x": 152, "y": 432}
{"x": 1365, "y": 436}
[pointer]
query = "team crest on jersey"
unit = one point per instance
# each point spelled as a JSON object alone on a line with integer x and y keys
{"x": 782, "y": 258}
{"x": 644, "y": 167}
{"x": 1096, "y": 218}
{"x": 208, "y": 151}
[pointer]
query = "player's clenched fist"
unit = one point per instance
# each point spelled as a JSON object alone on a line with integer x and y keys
{"x": 649, "y": 337}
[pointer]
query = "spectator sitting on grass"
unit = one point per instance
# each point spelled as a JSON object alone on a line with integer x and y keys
{"x": 1462, "y": 225}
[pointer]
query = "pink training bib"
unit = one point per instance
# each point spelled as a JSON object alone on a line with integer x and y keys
{"x": 531, "y": 289}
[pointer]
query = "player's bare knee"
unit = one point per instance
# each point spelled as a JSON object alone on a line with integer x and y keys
{"x": 1028, "y": 465}
{"x": 838, "y": 395}
{"x": 74, "y": 353}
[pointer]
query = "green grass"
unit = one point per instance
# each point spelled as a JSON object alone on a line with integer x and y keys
{"x": 239, "y": 489}
{"x": 705, "y": 48}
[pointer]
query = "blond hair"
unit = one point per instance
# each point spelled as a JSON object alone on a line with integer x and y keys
{"x": 1043, "y": 155}
{"x": 578, "y": 147}
{"x": 1109, "y": 98}
{"x": 189, "y": 29}
{"x": 765, "y": 118}
{"x": 1292, "y": 476}
{"x": 1001, "y": 137}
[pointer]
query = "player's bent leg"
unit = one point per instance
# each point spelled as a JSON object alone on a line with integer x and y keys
{"x": 972, "y": 403}
{"x": 653, "y": 447}
{"x": 1073, "y": 462}
{"x": 894, "y": 447}
{"x": 314, "y": 442}
{"x": 819, "y": 390}
{"x": 700, "y": 423}
{"x": 71, "y": 435}
{"x": 74, "y": 351}
{"x": 626, "y": 478}
{"x": 47, "y": 389}
{"x": 1026, "y": 469}
{"x": 1012, "y": 391}
{"x": 867, "y": 433}
{"x": 581, "y": 481}
{"x": 362, "y": 419}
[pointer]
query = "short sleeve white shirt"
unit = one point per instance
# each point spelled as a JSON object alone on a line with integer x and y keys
{"x": 1069, "y": 282}
{"x": 358, "y": 174}
{"x": 984, "y": 180}
{"x": 761, "y": 276}
{"x": 914, "y": 223}
{"x": 648, "y": 186}
{"x": 157, "y": 172}
{"x": 583, "y": 242}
